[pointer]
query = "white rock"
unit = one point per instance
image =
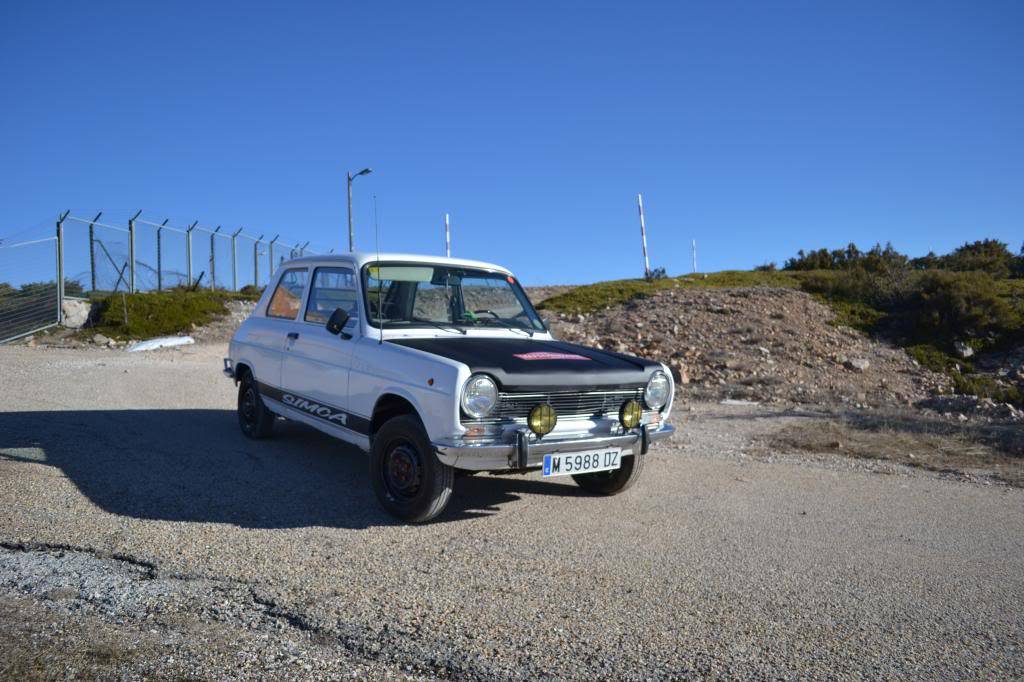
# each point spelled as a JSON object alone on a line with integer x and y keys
{"x": 160, "y": 342}
{"x": 857, "y": 364}
{"x": 962, "y": 349}
{"x": 75, "y": 312}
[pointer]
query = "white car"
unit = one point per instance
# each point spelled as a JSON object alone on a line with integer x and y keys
{"x": 434, "y": 365}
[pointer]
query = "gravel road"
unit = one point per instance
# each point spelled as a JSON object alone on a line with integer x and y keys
{"x": 141, "y": 534}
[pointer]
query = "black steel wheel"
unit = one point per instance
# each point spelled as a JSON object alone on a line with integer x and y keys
{"x": 615, "y": 481}
{"x": 255, "y": 420}
{"x": 403, "y": 470}
{"x": 409, "y": 480}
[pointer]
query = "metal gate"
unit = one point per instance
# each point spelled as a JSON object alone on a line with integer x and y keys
{"x": 29, "y": 293}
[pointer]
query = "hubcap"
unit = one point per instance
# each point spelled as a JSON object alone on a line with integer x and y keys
{"x": 402, "y": 470}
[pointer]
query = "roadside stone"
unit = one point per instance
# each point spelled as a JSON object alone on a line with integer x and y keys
{"x": 857, "y": 364}
{"x": 963, "y": 350}
{"x": 75, "y": 312}
{"x": 100, "y": 339}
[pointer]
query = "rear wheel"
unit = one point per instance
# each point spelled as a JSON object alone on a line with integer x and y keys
{"x": 255, "y": 420}
{"x": 615, "y": 481}
{"x": 409, "y": 480}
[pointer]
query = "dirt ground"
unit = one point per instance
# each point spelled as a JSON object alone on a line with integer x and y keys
{"x": 142, "y": 536}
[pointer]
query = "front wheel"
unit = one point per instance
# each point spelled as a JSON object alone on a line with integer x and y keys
{"x": 615, "y": 481}
{"x": 409, "y": 480}
{"x": 255, "y": 420}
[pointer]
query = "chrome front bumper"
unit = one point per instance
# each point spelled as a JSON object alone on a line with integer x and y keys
{"x": 526, "y": 450}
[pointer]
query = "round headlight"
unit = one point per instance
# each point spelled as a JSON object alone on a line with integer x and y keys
{"x": 479, "y": 396}
{"x": 542, "y": 419}
{"x": 630, "y": 414}
{"x": 656, "y": 393}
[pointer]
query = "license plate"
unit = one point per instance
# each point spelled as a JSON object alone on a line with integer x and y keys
{"x": 582, "y": 462}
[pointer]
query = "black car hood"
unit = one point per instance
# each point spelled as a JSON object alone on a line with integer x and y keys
{"x": 533, "y": 365}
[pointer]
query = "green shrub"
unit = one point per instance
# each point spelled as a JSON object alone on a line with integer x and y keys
{"x": 945, "y": 306}
{"x": 988, "y": 255}
{"x": 986, "y": 387}
{"x": 743, "y": 278}
{"x": 859, "y": 316}
{"x": 251, "y": 292}
{"x": 934, "y": 359}
{"x": 158, "y": 314}
{"x": 878, "y": 259}
{"x": 586, "y": 299}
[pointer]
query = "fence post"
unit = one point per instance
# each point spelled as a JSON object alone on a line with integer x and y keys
{"x": 188, "y": 253}
{"x": 270, "y": 258}
{"x": 92, "y": 252}
{"x": 213, "y": 259}
{"x": 60, "y": 266}
{"x": 234, "y": 260}
{"x": 131, "y": 252}
{"x": 159, "y": 258}
{"x": 256, "y": 262}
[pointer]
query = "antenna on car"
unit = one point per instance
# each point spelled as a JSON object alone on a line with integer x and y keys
{"x": 380, "y": 304}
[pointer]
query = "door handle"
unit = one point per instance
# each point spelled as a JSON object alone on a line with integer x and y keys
{"x": 293, "y": 335}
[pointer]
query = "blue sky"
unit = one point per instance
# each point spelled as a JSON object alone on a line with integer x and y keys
{"x": 755, "y": 128}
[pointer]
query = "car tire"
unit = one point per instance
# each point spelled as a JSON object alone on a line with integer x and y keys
{"x": 409, "y": 480}
{"x": 615, "y": 481}
{"x": 255, "y": 420}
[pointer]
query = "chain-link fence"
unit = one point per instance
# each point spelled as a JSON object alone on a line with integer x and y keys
{"x": 29, "y": 300}
{"x": 95, "y": 255}
{"x": 151, "y": 256}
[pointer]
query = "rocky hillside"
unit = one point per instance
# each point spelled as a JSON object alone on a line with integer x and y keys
{"x": 762, "y": 344}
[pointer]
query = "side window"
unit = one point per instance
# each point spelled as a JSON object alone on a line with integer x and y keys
{"x": 287, "y": 298}
{"x": 332, "y": 288}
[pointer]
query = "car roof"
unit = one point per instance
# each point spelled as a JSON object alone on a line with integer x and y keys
{"x": 361, "y": 258}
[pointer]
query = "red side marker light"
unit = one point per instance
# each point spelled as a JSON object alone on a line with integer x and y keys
{"x": 430, "y": 381}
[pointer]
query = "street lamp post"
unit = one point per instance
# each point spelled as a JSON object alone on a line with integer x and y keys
{"x": 351, "y": 230}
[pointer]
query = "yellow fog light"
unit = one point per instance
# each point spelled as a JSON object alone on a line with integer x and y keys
{"x": 630, "y": 414}
{"x": 542, "y": 419}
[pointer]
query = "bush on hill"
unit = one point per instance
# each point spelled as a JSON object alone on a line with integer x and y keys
{"x": 930, "y": 303}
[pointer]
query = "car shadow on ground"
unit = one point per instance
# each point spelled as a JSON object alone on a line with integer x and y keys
{"x": 195, "y": 466}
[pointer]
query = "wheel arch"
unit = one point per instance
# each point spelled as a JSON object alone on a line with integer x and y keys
{"x": 389, "y": 405}
{"x": 243, "y": 367}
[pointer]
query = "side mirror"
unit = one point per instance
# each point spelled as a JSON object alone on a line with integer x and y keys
{"x": 337, "y": 322}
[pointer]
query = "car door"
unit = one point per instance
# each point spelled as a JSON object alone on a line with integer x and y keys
{"x": 267, "y": 333}
{"x": 316, "y": 363}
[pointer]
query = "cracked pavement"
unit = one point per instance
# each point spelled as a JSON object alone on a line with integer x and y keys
{"x": 142, "y": 535}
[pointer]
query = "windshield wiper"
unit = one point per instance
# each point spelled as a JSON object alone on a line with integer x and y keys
{"x": 528, "y": 332}
{"x": 506, "y": 325}
{"x": 445, "y": 327}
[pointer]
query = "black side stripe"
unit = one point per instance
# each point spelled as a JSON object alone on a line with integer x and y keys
{"x": 328, "y": 413}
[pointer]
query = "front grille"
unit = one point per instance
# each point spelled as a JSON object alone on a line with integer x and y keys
{"x": 566, "y": 404}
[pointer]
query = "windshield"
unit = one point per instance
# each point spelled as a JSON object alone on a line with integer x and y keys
{"x": 425, "y": 295}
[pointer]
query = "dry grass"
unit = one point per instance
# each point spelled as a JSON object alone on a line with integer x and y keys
{"x": 34, "y": 647}
{"x": 987, "y": 451}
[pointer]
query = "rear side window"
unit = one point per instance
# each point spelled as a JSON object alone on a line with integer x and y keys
{"x": 333, "y": 288}
{"x": 287, "y": 298}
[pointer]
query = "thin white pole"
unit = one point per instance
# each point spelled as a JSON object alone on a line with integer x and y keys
{"x": 694, "y": 255}
{"x": 447, "y": 237}
{"x": 643, "y": 235}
